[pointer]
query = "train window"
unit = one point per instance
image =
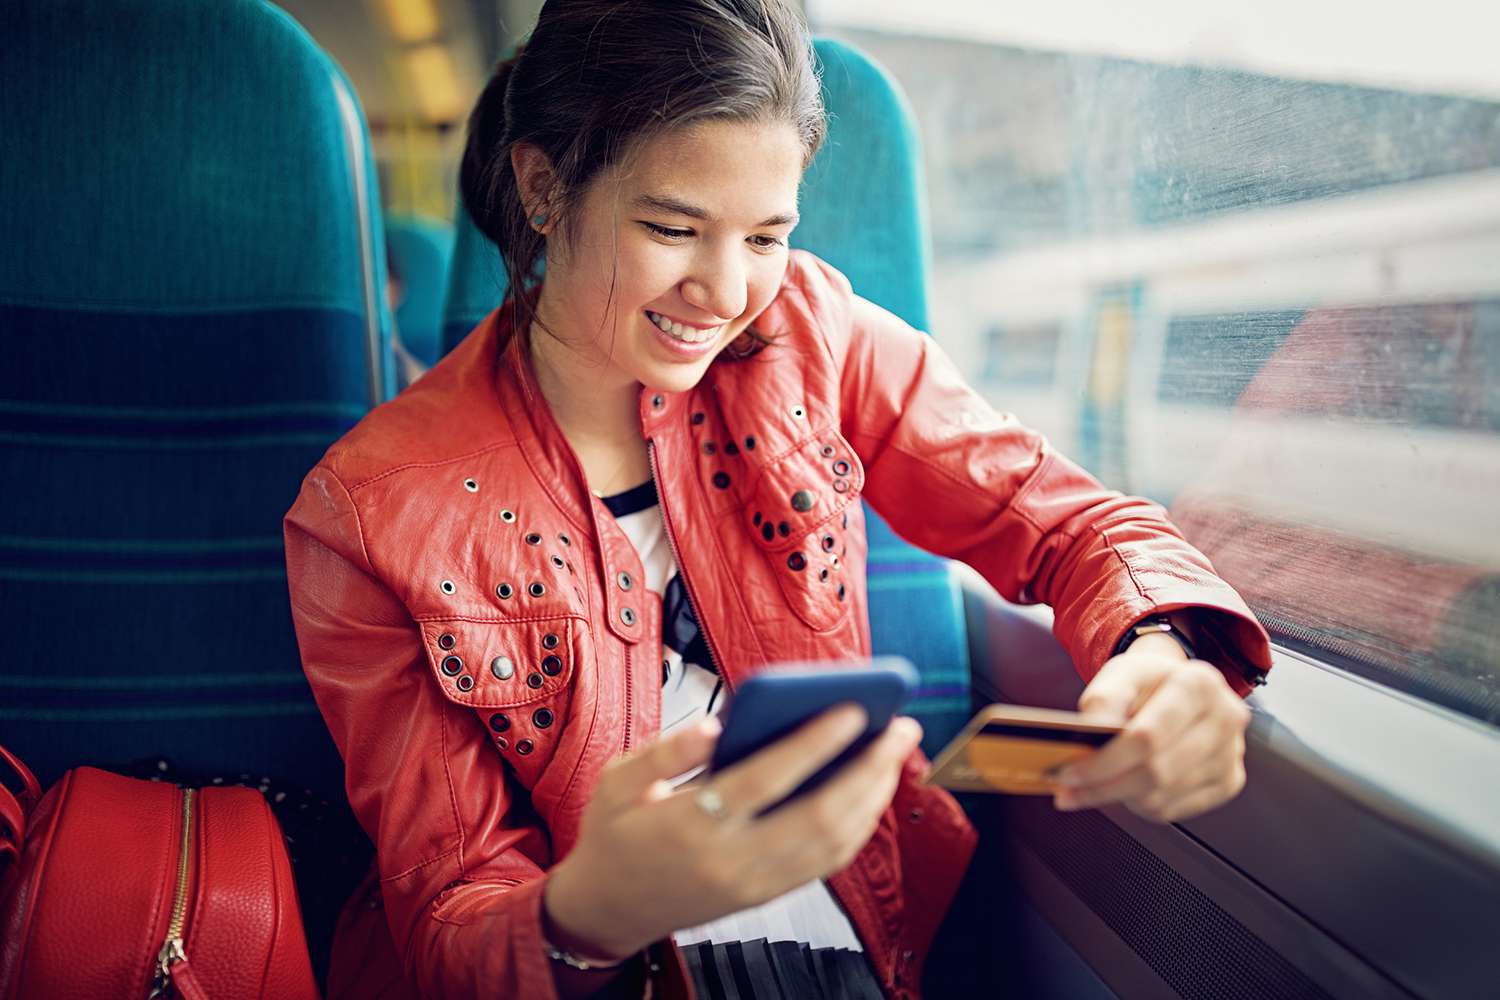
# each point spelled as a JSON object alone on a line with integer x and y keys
{"x": 1258, "y": 290}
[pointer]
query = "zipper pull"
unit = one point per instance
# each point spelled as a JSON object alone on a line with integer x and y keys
{"x": 171, "y": 952}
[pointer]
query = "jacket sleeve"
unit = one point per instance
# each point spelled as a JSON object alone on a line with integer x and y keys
{"x": 461, "y": 858}
{"x": 955, "y": 477}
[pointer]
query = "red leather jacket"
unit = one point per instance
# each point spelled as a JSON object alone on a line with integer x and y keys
{"x": 476, "y": 634}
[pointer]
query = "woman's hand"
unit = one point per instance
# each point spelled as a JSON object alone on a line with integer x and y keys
{"x": 649, "y": 860}
{"x": 1182, "y": 751}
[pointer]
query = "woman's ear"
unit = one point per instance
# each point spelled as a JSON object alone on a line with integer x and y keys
{"x": 535, "y": 178}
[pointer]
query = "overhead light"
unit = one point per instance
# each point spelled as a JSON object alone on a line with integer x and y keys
{"x": 411, "y": 20}
{"x": 430, "y": 71}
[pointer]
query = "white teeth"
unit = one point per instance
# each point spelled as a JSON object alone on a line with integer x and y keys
{"x": 685, "y": 334}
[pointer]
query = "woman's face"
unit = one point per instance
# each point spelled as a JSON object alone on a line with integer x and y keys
{"x": 693, "y": 235}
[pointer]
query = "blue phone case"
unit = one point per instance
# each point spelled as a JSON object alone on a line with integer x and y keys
{"x": 770, "y": 705}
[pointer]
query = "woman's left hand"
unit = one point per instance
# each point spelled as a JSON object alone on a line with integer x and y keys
{"x": 1182, "y": 750}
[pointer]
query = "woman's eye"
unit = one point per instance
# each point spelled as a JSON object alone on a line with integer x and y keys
{"x": 671, "y": 234}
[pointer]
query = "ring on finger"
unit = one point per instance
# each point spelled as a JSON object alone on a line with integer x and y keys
{"x": 711, "y": 802}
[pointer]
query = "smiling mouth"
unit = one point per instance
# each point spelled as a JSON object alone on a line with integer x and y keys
{"x": 678, "y": 331}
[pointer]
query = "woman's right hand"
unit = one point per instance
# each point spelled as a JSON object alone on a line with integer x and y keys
{"x": 650, "y": 861}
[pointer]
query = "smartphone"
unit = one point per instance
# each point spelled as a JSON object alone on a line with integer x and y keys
{"x": 1016, "y": 750}
{"x": 770, "y": 705}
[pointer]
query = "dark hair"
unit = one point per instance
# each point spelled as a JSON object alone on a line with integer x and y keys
{"x": 599, "y": 78}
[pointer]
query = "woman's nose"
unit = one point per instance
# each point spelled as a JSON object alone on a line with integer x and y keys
{"x": 717, "y": 286}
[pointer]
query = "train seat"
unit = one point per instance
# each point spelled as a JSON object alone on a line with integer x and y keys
{"x": 420, "y": 249}
{"x": 863, "y": 207}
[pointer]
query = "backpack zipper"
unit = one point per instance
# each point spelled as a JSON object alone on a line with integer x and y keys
{"x": 172, "y": 950}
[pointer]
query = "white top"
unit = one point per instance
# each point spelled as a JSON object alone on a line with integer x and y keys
{"x": 691, "y": 689}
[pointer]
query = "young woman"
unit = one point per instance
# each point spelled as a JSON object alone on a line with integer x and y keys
{"x": 522, "y": 588}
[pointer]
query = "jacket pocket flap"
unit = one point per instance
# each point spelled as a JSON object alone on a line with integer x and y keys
{"x": 804, "y": 490}
{"x": 498, "y": 664}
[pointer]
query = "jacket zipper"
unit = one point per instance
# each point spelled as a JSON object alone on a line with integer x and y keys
{"x": 708, "y": 641}
{"x": 172, "y": 950}
{"x": 629, "y": 700}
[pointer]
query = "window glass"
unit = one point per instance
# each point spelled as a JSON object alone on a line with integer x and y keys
{"x": 1267, "y": 300}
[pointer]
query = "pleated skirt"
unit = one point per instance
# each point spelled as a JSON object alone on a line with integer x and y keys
{"x": 779, "y": 970}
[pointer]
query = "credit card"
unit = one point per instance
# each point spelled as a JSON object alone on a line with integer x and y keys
{"x": 1015, "y": 749}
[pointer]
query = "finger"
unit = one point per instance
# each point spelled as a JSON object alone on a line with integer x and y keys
{"x": 1206, "y": 750}
{"x": 774, "y": 771}
{"x": 1177, "y": 704}
{"x": 849, "y": 804}
{"x": 1122, "y": 685}
{"x": 627, "y": 779}
{"x": 1199, "y": 800}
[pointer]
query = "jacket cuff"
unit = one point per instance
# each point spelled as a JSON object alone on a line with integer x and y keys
{"x": 1231, "y": 640}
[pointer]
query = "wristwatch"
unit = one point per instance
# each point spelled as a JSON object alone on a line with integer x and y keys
{"x": 1156, "y": 623}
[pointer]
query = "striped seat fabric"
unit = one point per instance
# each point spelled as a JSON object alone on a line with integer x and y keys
{"x": 190, "y": 313}
{"x": 863, "y": 207}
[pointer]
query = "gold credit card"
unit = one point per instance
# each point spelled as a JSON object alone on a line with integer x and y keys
{"x": 1014, "y": 749}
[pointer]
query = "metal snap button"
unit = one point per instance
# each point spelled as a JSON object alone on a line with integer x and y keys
{"x": 465, "y": 683}
{"x": 797, "y": 561}
{"x": 550, "y": 641}
{"x": 542, "y": 717}
{"x": 841, "y": 468}
{"x": 446, "y": 641}
{"x": 534, "y": 680}
{"x": 557, "y": 561}
{"x": 803, "y": 500}
{"x": 625, "y": 581}
{"x": 447, "y": 587}
{"x": 552, "y": 665}
{"x": 841, "y": 486}
{"x": 721, "y": 480}
{"x": 627, "y": 615}
{"x": 471, "y": 486}
{"x": 502, "y": 668}
{"x": 499, "y": 723}
{"x": 532, "y": 538}
{"x": 536, "y": 589}
{"x": 508, "y": 516}
{"x": 524, "y": 747}
{"x": 452, "y": 665}
{"x": 504, "y": 591}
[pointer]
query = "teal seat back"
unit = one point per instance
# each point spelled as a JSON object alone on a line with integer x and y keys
{"x": 419, "y": 253}
{"x": 863, "y": 208}
{"x": 190, "y": 313}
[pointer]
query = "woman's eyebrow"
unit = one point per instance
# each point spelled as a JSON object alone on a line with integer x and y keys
{"x": 676, "y": 207}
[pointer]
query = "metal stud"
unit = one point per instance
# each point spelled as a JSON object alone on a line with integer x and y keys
{"x": 828, "y": 543}
{"x": 471, "y": 486}
{"x": 532, "y": 538}
{"x": 502, "y": 668}
{"x": 565, "y": 539}
{"x": 534, "y": 680}
{"x": 709, "y": 448}
{"x": 768, "y": 531}
{"x": 625, "y": 580}
{"x": 447, "y": 587}
{"x": 657, "y": 401}
{"x": 798, "y": 412}
{"x": 446, "y": 641}
{"x": 841, "y": 468}
{"x": 502, "y": 742}
{"x": 537, "y": 589}
{"x": 757, "y": 519}
{"x": 731, "y": 448}
{"x": 499, "y": 723}
{"x": 803, "y": 501}
{"x": 508, "y": 516}
{"x": 465, "y": 683}
{"x": 841, "y": 591}
{"x": 452, "y": 665}
{"x": 542, "y": 717}
{"x": 524, "y": 747}
{"x": 721, "y": 480}
{"x": 750, "y": 443}
{"x": 827, "y": 451}
{"x": 823, "y": 575}
{"x": 841, "y": 486}
{"x": 784, "y": 529}
{"x": 552, "y": 665}
{"x": 627, "y": 615}
{"x": 698, "y": 418}
{"x": 797, "y": 561}
{"x": 550, "y": 641}
{"x": 504, "y": 591}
